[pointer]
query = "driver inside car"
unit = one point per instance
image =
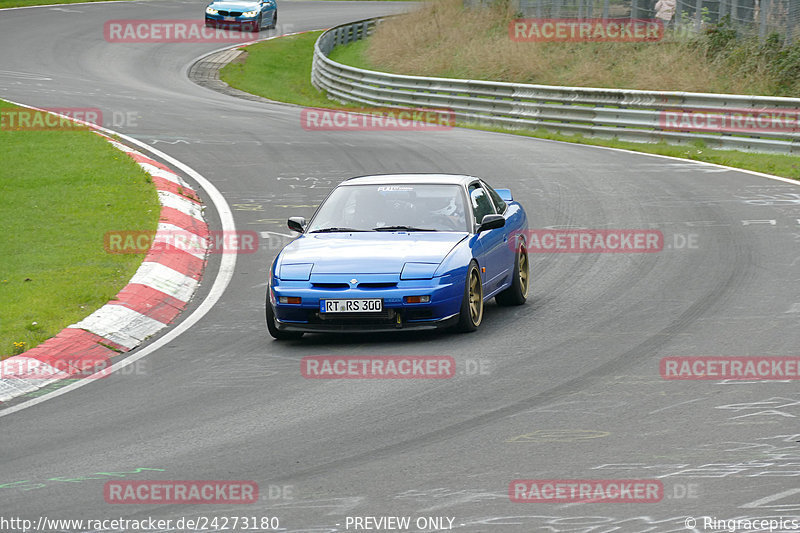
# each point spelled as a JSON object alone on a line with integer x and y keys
{"x": 453, "y": 213}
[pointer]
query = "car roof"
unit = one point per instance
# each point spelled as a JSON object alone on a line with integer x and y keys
{"x": 438, "y": 179}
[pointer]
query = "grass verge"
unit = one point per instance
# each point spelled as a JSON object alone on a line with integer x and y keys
{"x": 62, "y": 191}
{"x": 278, "y": 69}
{"x": 28, "y": 3}
{"x": 353, "y": 54}
{"x": 272, "y": 63}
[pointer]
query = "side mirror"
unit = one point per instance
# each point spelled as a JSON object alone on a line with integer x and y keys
{"x": 297, "y": 224}
{"x": 491, "y": 222}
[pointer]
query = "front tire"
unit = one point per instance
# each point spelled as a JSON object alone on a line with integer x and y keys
{"x": 273, "y": 329}
{"x": 517, "y": 293}
{"x": 274, "y": 21}
{"x": 257, "y": 26}
{"x": 471, "y": 314}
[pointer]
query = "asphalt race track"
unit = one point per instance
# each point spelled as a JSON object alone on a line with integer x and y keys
{"x": 566, "y": 387}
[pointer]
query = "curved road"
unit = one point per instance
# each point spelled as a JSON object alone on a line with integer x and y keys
{"x": 567, "y": 386}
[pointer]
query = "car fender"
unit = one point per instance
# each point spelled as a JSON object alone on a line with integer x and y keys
{"x": 457, "y": 261}
{"x": 517, "y": 225}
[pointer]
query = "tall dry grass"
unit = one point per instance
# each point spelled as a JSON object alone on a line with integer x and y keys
{"x": 445, "y": 39}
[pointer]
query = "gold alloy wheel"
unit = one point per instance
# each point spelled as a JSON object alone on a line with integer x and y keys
{"x": 522, "y": 261}
{"x": 475, "y": 297}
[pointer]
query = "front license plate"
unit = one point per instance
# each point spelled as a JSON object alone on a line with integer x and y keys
{"x": 230, "y": 19}
{"x": 353, "y": 305}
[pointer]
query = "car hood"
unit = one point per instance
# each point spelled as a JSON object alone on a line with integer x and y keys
{"x": 369, "y": 252}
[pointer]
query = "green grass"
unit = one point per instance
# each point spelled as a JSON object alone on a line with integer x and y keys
{"x": 61, "y": 192}
{"x": 278, "y": 69}
{"x": 26, "y": 3}
{"x": 353, "y": 54}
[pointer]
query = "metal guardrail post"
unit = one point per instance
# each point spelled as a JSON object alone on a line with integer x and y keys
{"x": 698, "y": 15}
{"x": 793, "y": 14}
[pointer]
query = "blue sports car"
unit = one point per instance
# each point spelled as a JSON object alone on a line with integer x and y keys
{"x": 245, "y": 14}
{"x": 402, "y": 251}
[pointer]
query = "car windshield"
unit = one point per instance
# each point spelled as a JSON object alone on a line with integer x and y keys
{"x": 389, "y": 207}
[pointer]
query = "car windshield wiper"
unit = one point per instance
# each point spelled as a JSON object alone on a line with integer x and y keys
{"x": 401, "y": 228}
{"x": 333, "y": 230}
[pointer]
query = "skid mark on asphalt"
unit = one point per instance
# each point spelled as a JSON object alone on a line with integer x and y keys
{"x": 559, "y": 435}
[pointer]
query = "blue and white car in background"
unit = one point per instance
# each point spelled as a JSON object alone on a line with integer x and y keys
{"x": 252, "y": 15}
{"x": 401, "y": 251}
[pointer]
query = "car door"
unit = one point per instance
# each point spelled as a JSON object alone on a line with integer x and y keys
{"x": 507, "y": 255}
{"x": 490, "y": 244}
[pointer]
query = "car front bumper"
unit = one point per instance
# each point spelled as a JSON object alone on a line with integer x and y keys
{"x": 361, "y": 327}
{"x": 219, "y": 21}
{"x": 446, "y": 294}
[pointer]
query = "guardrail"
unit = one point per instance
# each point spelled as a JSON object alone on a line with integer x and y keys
{"x": 750, "y": 123}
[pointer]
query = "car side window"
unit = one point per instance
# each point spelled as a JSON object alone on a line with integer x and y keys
{"x": 481, "y": 205}
{"x": 498, "y": 202}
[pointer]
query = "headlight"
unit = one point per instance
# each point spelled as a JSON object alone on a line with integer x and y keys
{"x": 250, "y": 14}
{"x": 211, "y": 11}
